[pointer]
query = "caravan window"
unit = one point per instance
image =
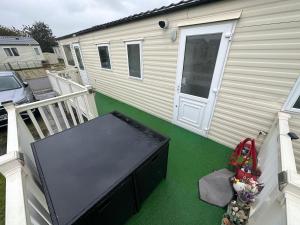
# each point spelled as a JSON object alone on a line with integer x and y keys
{"x": 11, "y": 51}
{"x": 8, "y": 52}
{"x": 37, "y": 52}
{"x": 104, "y": 56}
{"x": 297, "y": 104}
{"x": 15, "y": 51}
{"x": 134, "y": 58}
{"x": 293, "y": 101}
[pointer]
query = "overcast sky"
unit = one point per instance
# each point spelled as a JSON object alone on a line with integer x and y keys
{"x": 67, "y": 16}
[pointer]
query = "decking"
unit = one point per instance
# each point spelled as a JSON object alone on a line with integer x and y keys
{"x": 175, "y": 201}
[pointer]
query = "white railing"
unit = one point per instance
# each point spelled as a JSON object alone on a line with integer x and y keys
{"x": 25, "y": 203}
{"x": 19, "y": 65}
{"x": 71, "y": 74}
{"x": 279, "y": 202}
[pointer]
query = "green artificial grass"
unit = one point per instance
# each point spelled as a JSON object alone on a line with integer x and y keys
{"x": 176, "y": 200}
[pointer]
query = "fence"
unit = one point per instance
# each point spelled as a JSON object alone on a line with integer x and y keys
{"x": 25, "y": 202}
{"x": 279, "y": 202}
{"x": 19, "y": 65}
{"x": 71, "y": 74}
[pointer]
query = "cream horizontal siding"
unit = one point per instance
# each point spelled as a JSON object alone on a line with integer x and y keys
{"x": 262, "y": 64}
{"x": 26, "y": 53}
{"x": 294, "y": 123}
{"x": 261, "y": 68}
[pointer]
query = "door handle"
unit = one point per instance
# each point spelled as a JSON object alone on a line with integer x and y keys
{"x": 215, "y": 90}
{"x": 178, "y": 88}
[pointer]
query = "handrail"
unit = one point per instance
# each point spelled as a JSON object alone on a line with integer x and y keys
{"x": 56, "y": 76}
{"x": 33, "y": 105}
{"x": 70, "y": 74}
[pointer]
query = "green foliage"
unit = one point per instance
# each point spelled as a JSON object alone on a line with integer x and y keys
{"x": 42, "y": 33}
{"x": 10, "y": 31}
{"x": 39, "y": 31}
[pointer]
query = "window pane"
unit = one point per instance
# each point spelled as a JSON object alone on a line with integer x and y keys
{"x": 37, "y": 51}
{"x": 8, "y": 52}
{"x": 79, "y": 59}
{"x": 297, "y": 104}
{"x": 15, "y": 51}
{"x": 68, "y": 54}
{"x": 8, "y": 83}
{"x": 200, "y": 57}
{"x": 104, "y": 57}
{"x": 134, "y": 63}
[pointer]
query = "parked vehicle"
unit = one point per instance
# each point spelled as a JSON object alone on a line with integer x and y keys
{"x": 13, "y": 88}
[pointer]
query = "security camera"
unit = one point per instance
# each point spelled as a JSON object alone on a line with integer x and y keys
{"x": 163, "y": 24}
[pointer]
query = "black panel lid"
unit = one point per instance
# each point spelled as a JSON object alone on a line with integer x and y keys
{"x": 79, "y": 166}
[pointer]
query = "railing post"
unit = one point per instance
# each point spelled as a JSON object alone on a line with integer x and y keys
{"x": 11, "y": 166}
{"x": 91, "y": 101}
{"x": 15, "y": 209}
{"x": 287, "y": 156}
{"x": 12, "y": 128}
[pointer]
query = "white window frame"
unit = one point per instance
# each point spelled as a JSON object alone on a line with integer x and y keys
{"x": 16, "y": 51}
{"x": 292, "y": 98}
{"x": 11, "y": 51}
{"x": 140, "y": 43}
{"x": 109, "y": 55}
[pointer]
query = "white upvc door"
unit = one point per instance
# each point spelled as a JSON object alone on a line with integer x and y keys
{"x": 80, "y": 64}
{"x": 201, "y": 59}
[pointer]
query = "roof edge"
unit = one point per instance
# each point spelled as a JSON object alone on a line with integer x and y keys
{"x": 139, "y": 16}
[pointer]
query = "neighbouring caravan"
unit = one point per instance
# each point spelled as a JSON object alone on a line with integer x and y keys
{"x": 222, "y": 69}
{"x": 18, "y": 52}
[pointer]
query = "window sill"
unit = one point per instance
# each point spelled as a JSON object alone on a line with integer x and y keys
{"x": 105, "y": 69}
{"x": 135, "y": 78}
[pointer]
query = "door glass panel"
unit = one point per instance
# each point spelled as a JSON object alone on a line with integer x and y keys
{"x": 68, "y": 55}
{"x": 200, "y": 57}
{"x": 297, "y": 104}
{"x": 79, "y": 59}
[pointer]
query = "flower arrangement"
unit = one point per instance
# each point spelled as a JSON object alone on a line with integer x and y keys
{"x": 247, "y": 189}
{"x": 245, "y": 183}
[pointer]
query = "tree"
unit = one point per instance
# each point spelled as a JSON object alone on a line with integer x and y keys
{"x": 10, "y": 31}
{"x": 42, "y": 33}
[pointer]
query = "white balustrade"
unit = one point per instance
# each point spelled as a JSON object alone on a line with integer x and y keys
{"x": 25, "y": 202}
{"x": 277, "y": 204}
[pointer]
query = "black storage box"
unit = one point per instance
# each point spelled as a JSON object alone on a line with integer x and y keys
{"x": 101, "y": 171}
